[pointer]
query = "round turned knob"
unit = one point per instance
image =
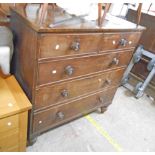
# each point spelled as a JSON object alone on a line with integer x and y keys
{"x": 75, "y": 46}
{"x": 123, "y": 42}
{"x": 64, "y": 93}
{"x": 60, "y": 115}
{"x": 69, "y": 70}
{"x": 115, "y": 61}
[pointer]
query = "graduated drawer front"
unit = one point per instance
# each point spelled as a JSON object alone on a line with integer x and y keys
{"x": 59, "y": 114}
{"x": 9, "y": 141}
{"x": 62, "y": 92}
{"x": 53, "y": 45}
{"x": 9, "y": 123}
{"x": 9, "y": 132}
{"x": 52, "y": 71}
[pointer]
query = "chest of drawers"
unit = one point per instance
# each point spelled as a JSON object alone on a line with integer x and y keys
{"x": 67, "y": 71}
{"x": 14, "y": 107}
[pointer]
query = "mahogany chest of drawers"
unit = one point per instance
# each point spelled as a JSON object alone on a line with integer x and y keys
{"x": 70, "y": 70}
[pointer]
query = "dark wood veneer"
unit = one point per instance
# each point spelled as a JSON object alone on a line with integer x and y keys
{"x": 70, "y": 70}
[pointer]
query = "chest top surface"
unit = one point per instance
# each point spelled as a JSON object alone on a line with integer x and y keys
{"x": 62, "y": 22}
{"x": 12, "y": 98}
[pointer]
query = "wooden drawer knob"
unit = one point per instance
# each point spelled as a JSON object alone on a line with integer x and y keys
{"x": 60, "y": 115}
{"x": 64, "y": 93}
{"x": 115, "y": 61}
{"x": 123, "y": 42}
{"x": 69, "y": 70}
{"x": 75, "y": 46}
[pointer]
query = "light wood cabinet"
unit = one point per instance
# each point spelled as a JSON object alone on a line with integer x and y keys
{"x": 14, "y": 107}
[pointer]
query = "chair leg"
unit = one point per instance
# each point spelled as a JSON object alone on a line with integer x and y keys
{"x": 42, "y": 12}
{"x": 99, "y": 13}
{"x": 107, "y": 7}
{"x": 139, "y": 13}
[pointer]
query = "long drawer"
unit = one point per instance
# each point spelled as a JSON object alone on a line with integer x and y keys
{"x": 53, "y": 45}
{"x": 60, "y": 70}
{"x": 58, "y": 93}
{"x": 57, "y": 115}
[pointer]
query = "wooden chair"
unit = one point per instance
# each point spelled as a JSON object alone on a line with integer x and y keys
{"x": 101, "y": 17}
{"x": 4, "y": 13}
{"x": 44, "y": 7}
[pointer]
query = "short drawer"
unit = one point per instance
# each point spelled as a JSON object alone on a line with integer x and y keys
{"x": 8, "y": 124}
{"x": 52, "y": 45}
{"x": 111, "y": 41}
{"x": 59, "y": 114}
{"x": 58, "y": 93}
{"x": 52, "y": 71}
